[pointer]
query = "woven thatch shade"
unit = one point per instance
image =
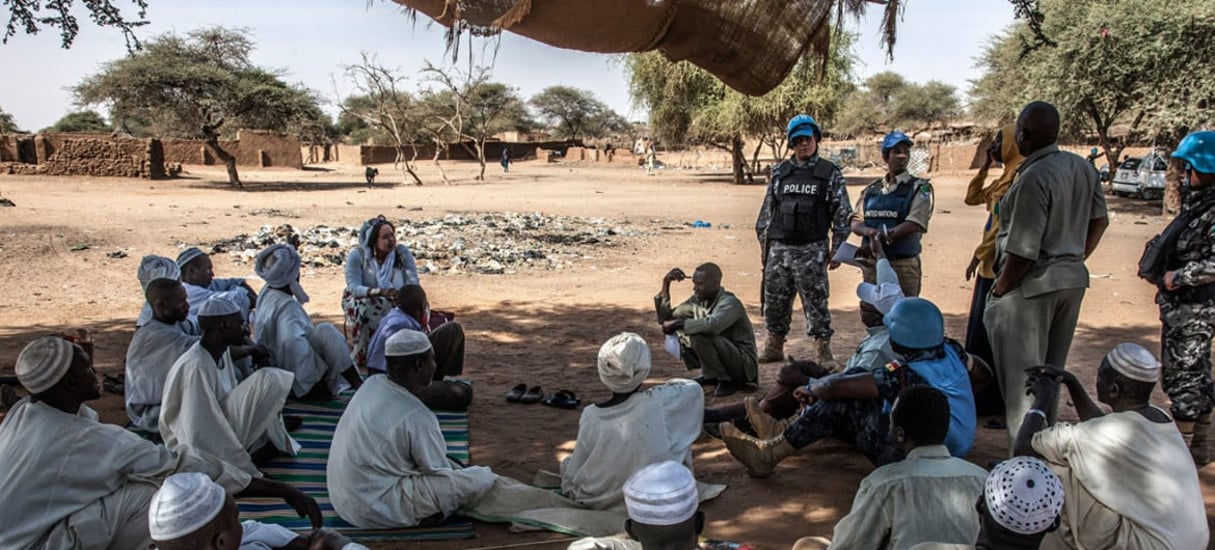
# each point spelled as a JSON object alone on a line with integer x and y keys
{"x": 751, "y": 45}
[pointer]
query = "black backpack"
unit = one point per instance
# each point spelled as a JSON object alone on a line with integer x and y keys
{"x": 1156, "y": 254}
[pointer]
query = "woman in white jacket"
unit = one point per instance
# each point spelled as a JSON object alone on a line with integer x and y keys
{"x": 374, "y": 271}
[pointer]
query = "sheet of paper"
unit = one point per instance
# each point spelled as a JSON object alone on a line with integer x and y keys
{"x": 847, "y": 254}
{"x": 671, "y": 345}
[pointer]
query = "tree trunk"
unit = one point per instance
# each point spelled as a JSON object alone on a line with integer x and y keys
{"x": 755, "y": 157}
{"x": 438, "y": 150}
{"x": 481, "y": 159}
{"x": 739, "y": 160}
{"x": 225, "y": 157}
{"x": 1171, "y": 205}
{"x": 406, "y": 165}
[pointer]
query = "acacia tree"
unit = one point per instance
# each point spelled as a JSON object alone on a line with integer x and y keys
{"x": 886, "y": 101}
{"x": 382, "y": 105}
{"x": 474, "y": 108}
{"x": 8, "y": 125}
{"x": 573, "y": 113}
{"x": 81, "y": 121}
{"x": 202, "y": 86}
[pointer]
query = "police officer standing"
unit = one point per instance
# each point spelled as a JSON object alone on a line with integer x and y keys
{"x": 1187, "y": 298}
{"x": 895, "y": 209}
{"x": 806, "y": 200}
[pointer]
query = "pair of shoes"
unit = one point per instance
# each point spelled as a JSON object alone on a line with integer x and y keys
{"x": 726, "y": 388}
{"x": 562, "y": 399}
{"x": 705, "y": 381}
{"x": 522, "y": 394}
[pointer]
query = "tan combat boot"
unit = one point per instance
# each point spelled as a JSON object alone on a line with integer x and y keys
{"x": 765, "y": 426}
{"x": 760, "y": 457}
{"x": 822, "y": 345}
{"x": 774, "y": 349}
{"x": 1198, "y": 446}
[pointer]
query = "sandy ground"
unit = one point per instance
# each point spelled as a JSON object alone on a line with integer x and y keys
{"x": 538, "y": 327}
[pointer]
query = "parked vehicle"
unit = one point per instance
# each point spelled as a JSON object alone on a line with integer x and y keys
{"x": 1141, "y": 177}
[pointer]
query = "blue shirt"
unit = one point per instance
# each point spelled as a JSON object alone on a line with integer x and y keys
{"x": 394, "y": 322}
{"x": 947, "y": 374}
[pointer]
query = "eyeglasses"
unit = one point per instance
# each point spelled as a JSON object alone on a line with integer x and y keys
{"x": 799, "y": 140}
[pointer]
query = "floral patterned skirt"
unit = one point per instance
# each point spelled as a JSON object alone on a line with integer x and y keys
{"x": 362, "y": 318}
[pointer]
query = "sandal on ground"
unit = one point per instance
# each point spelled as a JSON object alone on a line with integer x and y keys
{"x": 563, "y": 399}
{"x": 533, "y": 395}
{"x": 114, "y": 384}
{"x": 516, "y": 393}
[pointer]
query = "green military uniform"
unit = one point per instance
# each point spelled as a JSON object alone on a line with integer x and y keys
{"x": 717, "y": 336}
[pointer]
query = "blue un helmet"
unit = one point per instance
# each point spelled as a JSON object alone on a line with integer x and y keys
{"x": 891, "y": 140}
{"x": 1198, "y": 149}
{"x": 803, "y": 125}
{"x": 916, "y": 323}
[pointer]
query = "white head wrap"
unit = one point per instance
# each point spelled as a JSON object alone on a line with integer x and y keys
{"x": 218, "y": 306}
{"x": 279, "y": 266}
{"x": 624, "y": 362}
{"x": 1134, "y": 362}
{"x": 886, "y": 293}
{"x": 153, "y": 267}
{"x": 43, "y": 363}
{"x": 188, "y": 255}
{"x": 1023, "y": 495}
{"x": 184, "y": 504}
{"x": 663, "y": 493}
{"x": 406, "y": 342}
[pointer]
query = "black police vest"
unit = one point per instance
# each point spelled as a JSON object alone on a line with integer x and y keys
{"x": 888, "y": 210}
{"x": 800, "y": 197}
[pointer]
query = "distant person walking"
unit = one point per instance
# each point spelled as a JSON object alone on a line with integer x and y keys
{"x": 370, "y": 173}
{"x": 651, "y": 158}
{"x": 505, "y": 159}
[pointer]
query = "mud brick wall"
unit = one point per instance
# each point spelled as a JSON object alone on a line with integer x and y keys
{"x": 97, "y": 155}
{"x": 251, "y": 148}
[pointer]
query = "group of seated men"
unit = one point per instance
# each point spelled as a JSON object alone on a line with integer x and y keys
{"x": 1116, "y": 480}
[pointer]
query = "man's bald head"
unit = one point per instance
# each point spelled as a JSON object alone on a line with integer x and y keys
{"x": 1037, "y": 127}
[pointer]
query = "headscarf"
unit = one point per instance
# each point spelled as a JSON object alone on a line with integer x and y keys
{"x": 624, "y": 362}
{"x": 663, "y": 493}
{"x": 1134, "y": 362}
{"x": 368, "y": 235}
{"x": 279, "y": 266}
{"x": 1012, "y": 162}
{"x": 1023, "y": 495}
{"x": 886, "y": 293}
{"x": 153, "y": 267}
{"x": 184, "y": 504}
{"x": 44, "y": 362}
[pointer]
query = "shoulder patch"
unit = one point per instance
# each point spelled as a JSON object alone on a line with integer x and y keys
{"x": 893, "y": 366}
{"x": 926, "y": 188}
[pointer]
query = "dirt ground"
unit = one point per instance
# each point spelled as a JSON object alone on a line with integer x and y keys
{"x": 537, "y": 327}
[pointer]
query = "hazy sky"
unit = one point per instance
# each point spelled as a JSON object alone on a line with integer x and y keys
{"x": 309, "y": 39}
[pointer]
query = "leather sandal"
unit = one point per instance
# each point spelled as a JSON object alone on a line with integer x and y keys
{"x": 516, "y": 393}
{"x": 563, "y": 399}
{"x": 533, "y": 395}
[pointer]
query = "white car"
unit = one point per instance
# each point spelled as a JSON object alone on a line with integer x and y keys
{"x": 1142, "y": 178}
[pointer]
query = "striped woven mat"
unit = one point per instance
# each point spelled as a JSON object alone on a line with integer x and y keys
{"x": 307, "y": 472}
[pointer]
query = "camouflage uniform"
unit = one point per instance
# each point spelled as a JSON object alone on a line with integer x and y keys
{"x": 801, "y": 269}
{"x": 1188, "y": 319}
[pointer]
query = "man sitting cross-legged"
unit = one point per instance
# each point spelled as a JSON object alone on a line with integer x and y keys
{"x": 191, "y": 512}
{"x": 928, "y": 496}
{"x": 206, "y": 408}
{"x": 388, "y": 466}
{"x": 715, "y": 334}
{"x": 1127, "y": 475}
{"x": 316, "y": 354}
{"x": 72, "y": 482}
{"x": 630, "y": 430}
{"x": 412, "y": 312}
{"x": 852, "y": 405}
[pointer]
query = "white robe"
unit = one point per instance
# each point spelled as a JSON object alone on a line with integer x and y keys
{"x": 314, "y": 353}
{"x": 388, "y": 466}
{"x": 227, "y": 288}
{"x": 154, "y": 348}
{"x": 72, "y": 482}
{"x": 205, "y": 408}
{"x": 653, "y": 425}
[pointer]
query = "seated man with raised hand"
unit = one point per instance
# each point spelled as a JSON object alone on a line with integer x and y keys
{"x": 207, "y": 409}
{"x": 1128, "y": 477}
{"x": 632, "y": 429}
{"x": 153, "y": 349}
{"x": 664, "y": 511}
{"x": 928, "y": 496}
{"x": 153, "y": 267}
{"x": 191, "y": 512}
{"x": 316, "y": 354}
{"x": 853, "y": 405}
{"x": 714, "y": 332}
{"x": 1020, "y": 505}
{"x": 412, "y": 312}
{"x": 388, "y": 466}
{"x": 73, "y": 482}
{"x": 198, "y": 276}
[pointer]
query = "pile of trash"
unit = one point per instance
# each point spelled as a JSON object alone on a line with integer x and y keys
{"x": 486, "y": 243}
